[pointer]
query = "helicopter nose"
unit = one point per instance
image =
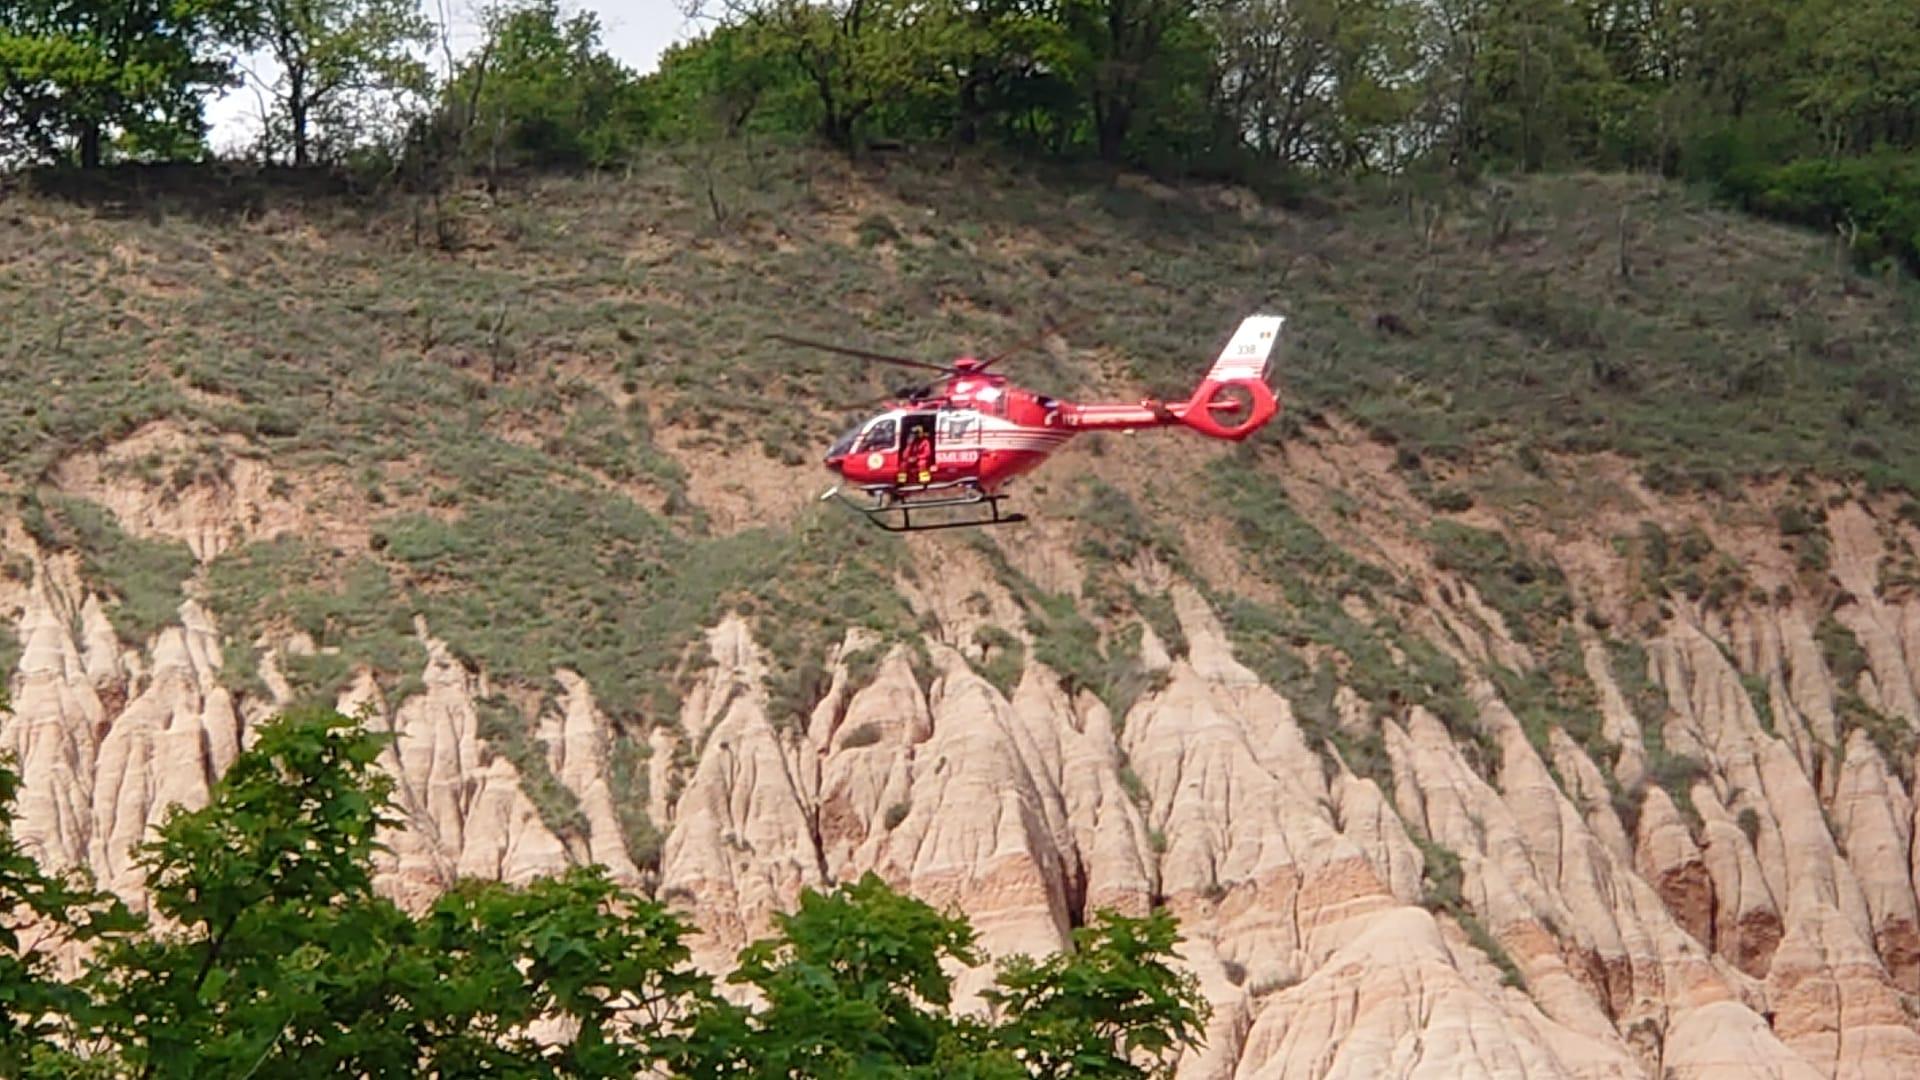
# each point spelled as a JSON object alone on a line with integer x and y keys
{"x": 835, "y": 463}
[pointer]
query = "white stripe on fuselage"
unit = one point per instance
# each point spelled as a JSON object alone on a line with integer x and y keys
{"x": 999, "y": 433}
{"x": 1051, "y": 438}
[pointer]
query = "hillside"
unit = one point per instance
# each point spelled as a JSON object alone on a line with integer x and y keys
{"x": 1538, "y": 693}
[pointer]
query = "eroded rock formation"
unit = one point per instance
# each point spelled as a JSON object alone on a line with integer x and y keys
{"x": 1721, "y": 882}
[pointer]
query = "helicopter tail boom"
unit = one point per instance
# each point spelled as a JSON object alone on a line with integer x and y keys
{"x": 1231, "y": 402}
{"x": 1241, "y": 369}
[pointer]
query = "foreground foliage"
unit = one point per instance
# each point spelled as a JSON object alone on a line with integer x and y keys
{"x": 279, "y": 959}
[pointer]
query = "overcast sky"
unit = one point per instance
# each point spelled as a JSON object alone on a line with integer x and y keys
{"x": 633, "y": 31}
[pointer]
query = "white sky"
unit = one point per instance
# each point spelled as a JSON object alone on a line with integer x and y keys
{"x": 635, "y": 32}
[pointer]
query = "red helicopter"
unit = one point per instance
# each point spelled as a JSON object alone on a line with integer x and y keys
{"x": 957, "y": 441}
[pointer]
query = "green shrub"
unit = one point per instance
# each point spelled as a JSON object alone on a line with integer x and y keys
{"x": 1490, "y": 946}
{"x": 864, "y": 735}
{"x": 1313, "y": 574}
{"x": 1113, "y": 528}
{"x": 1442, "y": 890}
{"x": 861, "y": 664}
{"x": 877, "y": 229}
{"x": 1762, "y": 700}
{"x": 1689, "y": 567}
{"x": 627, "y": 778}
{"x": 10, "y": 652}
{"x": 1794, "y": 520}
{"x": 1875, "y": 199}
{"x": 1891, "y": 735}
{"x": 143, "y": 577}
{"x": 1674, "y": 773}
{"x": 1842, "y": 652}
{"x": 1530, "y": 593}
{"x": 548, "y": 94}
{"x": 1071, "y": 644}
{"x": 347, "y": 605}
{"x": 510, "y": 734}
{"x": 1005, "y": 657}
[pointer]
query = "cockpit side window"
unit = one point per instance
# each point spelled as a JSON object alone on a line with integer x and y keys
{"x": 879, "y": 437}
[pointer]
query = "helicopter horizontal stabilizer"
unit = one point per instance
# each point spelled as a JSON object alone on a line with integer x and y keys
{"x": 1243, "y": 368}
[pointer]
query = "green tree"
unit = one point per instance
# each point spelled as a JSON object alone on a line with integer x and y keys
{"x": 1124, "y": 42}
{"x": 1101, "y": 1007}
{"x": 1737, "y": 53}
{"x": 341, "y": 64}
{"x": 75, "y": 75}
{"x": 724, "y": 84}
{"x": 857, "y": 57}
{"x": 1316, "y": 82}
{"x": 853, "y": 986}
{"x": 281, "y": 945}
{"x": 1015, "y": 68}
{"x": 1517, "y": 83}
{"x": 541, "y": 90}
{"x": 907, "y": 69}
{"x": 576, "y": 947}
{"x": 1859, "y": 80}
{"x": 279, "y": 960}
{"x": 855, "y": 983}
{"x": 286, "y": 963}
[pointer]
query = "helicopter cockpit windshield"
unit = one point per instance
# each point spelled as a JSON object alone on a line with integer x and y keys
{"x": 843, "y": 445}
{"x": 876, "y": 433}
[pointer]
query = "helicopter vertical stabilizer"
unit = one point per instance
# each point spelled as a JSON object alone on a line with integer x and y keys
{"x": 1248, "y": 352}
{"x": 1243, "y": 367}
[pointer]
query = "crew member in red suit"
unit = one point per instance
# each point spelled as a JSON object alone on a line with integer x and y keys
{"x": 917, "y": 458}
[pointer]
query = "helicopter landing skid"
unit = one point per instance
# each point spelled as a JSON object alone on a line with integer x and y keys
{"x": 885, "y": 505}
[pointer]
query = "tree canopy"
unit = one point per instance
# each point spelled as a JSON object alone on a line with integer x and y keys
{"x": 1806, "y": 109}
{"x": 341, "y": 64}
{"x": 74, "y": 73}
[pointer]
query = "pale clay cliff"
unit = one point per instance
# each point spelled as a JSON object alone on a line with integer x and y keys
{"x": 1771, "y": 930}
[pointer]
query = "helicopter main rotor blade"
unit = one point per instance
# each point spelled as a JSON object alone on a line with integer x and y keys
{"x": 1036, "y": 338}
{"x": 863, "y": 354}
{"x": 901, "y": 395}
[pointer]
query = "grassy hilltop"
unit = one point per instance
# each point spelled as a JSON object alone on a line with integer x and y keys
{"x": 509, "y": 388}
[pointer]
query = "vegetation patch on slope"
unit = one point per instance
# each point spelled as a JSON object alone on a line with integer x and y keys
{"x": 509, "y": 733}
{"x": 143, "y": 577}
{"x": 348, "y": 607}
{"x": 1097, "y": 651}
